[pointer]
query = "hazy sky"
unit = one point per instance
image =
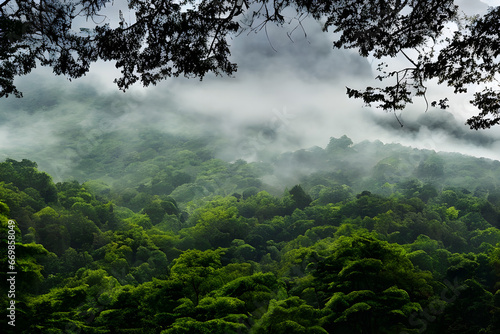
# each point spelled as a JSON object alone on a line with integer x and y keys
{"x": 296, "y": 92}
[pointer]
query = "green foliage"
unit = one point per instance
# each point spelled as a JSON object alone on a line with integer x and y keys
{"x": 291, "y": 315}
{"x": 299, "y": 198}
{"x": 339, "y": 144}
{"x": 198, "y": 271}
{"x": 431, "y": 168}
{"x": 24, "y": 175}
{"x": 233, "y": 256}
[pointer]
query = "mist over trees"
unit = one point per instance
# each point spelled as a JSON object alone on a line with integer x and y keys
{"x": 166, "y": 238}
{"x": 138, "y": 214}
{"x": 191, "y": 38}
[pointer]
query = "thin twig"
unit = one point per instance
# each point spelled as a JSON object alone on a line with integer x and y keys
{"x": 267, "y": 35}
{"x": 409, "y": 59}
{"x": 397, "y": 118}
{"x": 425, "y": 99}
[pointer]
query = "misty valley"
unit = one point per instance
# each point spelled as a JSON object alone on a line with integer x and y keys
{"x": 323, "y": 178}
{"x": 144, "y": 231}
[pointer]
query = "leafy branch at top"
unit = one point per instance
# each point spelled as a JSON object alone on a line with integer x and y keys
{"x": 190, "y": 38}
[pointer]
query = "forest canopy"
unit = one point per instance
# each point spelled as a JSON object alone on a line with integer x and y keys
{"x": 191, "y": 38}
{"x": 178, "y": 241}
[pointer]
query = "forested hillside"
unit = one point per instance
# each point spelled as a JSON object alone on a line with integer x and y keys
{"x": 159, "y": 235}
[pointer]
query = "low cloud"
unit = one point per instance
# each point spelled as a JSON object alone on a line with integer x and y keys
{"x": 288, "y": 94}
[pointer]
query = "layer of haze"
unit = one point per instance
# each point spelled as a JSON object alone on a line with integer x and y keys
{"x": 288, "y": 94}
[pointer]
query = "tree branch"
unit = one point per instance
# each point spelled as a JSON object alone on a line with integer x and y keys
{"x": 4, "y": 3}
{"x": 409, "y": 59}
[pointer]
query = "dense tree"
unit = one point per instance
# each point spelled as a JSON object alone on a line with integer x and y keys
{"x": 299, "y": 199}
{"x": 190, "y": 38}
{"x": 24, "y": 174}
{"x": 370, "y": 286}
{"x": 211, "y": 315}
{"x": 195, "y": 269}
{"x": 477, "y": 310}
{"x": 157, "y": 209}
{"x": 51, "y": 230}
{"x": 431, "y": 168}
{"x": 291, "y": 315}
{"x": 341, "y": 144}
{"x": 411, "y": 261}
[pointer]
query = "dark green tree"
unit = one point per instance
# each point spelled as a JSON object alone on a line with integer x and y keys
{"x": 195, "y": 269}
{"x": 291, "y": 315}
{"x": 299, "y": 197}
{"x": 370, "y": 286}
{"x": 24, "y": 174}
